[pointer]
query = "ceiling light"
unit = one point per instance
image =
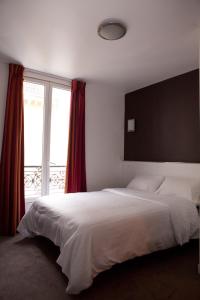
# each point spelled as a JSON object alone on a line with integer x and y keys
{"x": 111, "y": 30}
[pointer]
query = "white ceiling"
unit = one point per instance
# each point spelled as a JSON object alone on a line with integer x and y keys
{"x": 60, "y": 37}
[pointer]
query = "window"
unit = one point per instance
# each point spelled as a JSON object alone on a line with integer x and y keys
{"x": 46, "y": 126}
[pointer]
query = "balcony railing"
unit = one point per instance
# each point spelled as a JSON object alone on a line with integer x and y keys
{"x": 33, "y": 180}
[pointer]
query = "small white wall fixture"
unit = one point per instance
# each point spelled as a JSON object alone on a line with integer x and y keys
{"x": 131, "y": 125}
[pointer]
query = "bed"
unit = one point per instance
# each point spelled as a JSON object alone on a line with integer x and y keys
{"x": 96, "y": 230}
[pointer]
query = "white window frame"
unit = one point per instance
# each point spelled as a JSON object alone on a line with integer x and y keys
{"x": 49, "y": 82}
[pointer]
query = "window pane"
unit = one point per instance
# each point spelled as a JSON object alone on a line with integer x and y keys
{"x": 60, "y": 111}
{"x": 33, "y": 131}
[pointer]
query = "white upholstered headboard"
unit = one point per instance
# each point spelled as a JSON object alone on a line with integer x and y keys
{"x": 131, "y": 168}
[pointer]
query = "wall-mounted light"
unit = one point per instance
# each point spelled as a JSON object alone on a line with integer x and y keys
{"x": 131, "y": 125}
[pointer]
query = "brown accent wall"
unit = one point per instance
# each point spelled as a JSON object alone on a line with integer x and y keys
{"x": 167, "y": 124}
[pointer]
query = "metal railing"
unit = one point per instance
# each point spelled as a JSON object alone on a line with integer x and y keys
{"x": 33, "y": 180}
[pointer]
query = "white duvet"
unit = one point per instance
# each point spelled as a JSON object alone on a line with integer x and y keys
{"x": 99, "y": 229}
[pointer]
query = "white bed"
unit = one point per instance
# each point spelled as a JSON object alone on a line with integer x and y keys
{"x": 96, "y": 230}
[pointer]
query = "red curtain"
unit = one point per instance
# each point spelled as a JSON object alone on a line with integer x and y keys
{"x": 76, "y": 173}
{"x": 12, "y": 204}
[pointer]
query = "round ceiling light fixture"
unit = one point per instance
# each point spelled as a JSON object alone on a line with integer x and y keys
{"x": 111, "y": 30}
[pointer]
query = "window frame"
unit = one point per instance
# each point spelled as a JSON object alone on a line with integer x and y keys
{"x": 49, "y": 82}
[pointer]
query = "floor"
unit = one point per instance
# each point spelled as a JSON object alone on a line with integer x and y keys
{"x": 28, "y": 270}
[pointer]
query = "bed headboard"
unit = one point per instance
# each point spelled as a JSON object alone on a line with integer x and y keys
{"x": 131, "y": 168}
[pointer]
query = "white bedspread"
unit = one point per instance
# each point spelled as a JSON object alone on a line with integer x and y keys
{"x": 99, "y": 229}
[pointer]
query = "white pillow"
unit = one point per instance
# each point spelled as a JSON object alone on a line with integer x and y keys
{"x": 147, "y": 183}
{"x": 182, "y": 187}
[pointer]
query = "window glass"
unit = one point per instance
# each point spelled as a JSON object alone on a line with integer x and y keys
{"x": 60, "y": 110}
{"x": 33, "y": 134}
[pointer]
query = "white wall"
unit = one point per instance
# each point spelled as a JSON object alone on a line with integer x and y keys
{"x": 104, "y": 135}
{"x": 3, "y": 92}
